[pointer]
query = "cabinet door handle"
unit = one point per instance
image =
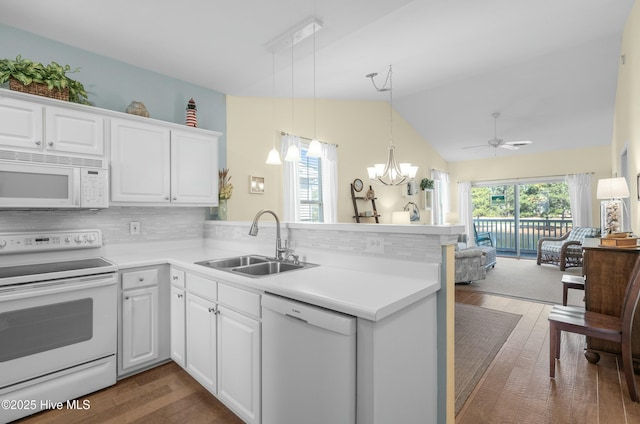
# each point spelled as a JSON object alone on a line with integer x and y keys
{"x": 141, "y": 279}
{"x": 50, "y": 144}
{"x": 166, "y": 198}
{"x": 175, "y": 277}
{"x": 180, "y": 296}
{"x": 38, "y": 143}
{"x": 175, "y": 198}
{"x": 126, "y": 298}
{"x": 214, "y": 311}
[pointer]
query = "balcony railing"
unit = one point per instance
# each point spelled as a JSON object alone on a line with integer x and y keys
{"x": 528, "y": 232}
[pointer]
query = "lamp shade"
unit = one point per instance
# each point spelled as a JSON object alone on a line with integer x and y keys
{"x": 612, "y": 188}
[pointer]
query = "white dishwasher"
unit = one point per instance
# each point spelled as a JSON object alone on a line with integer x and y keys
{"x": 308, "y": 364}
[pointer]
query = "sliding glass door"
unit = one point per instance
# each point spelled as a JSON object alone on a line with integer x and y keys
{"x": 518, "y": 214}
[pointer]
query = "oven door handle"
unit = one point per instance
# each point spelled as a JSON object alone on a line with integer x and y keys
{"x": 52, "y": 287}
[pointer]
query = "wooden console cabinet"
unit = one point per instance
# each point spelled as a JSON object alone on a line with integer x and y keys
{"x": 607, "y": 271}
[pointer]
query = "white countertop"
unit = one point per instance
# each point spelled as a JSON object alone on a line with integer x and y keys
{"x": 370, "y": 288}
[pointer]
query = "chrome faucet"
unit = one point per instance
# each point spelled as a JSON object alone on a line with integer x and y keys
{"x": 253, "y": 231}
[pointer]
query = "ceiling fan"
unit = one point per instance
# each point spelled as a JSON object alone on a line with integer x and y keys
{"x": 496, "y": 142}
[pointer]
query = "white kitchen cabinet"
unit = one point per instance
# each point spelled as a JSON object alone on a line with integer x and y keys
{"x": 178, "y": 328}
{"x": 239, "y": 363}
{"x": 65, "y": 131}
{"x": 201, "y": 340}
{"x": 140, "y": 162}
{"x": 139, "y": 326}
{"x": 153, "y": 164}
{"x": 194, "y": 168}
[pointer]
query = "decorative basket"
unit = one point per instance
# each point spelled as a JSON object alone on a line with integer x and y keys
{"x": 39, "y": 89}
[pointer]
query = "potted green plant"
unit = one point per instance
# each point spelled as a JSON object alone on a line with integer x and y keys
{"x": 426, "y": 183}
{"x": 35, "y": 78}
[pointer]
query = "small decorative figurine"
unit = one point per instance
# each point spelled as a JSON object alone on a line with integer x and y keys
{"x": 137, "y": 108}
{"x": 192, "y": 119}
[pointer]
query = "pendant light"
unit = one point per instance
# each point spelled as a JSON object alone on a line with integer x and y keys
{"x": 293, "y": 153}
{"x": 390, "y": 173}
{"x": 274, "y": 156}
{"x": 315, "y": 149}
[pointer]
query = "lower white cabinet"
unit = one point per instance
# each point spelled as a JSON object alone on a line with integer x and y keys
{"x": 178, "y": 341}
{"x": 201, "y": 340}
{"x": 239, "y": 363}
{"x": 139, "y": 326}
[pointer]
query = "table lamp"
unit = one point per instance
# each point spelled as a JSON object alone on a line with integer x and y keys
{"x": 611, "y": 212}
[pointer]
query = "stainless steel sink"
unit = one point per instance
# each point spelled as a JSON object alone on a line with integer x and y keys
{"x": 268, "y": 268}
{"x": 254, "y": 265}
{"x": 234, "y": 262}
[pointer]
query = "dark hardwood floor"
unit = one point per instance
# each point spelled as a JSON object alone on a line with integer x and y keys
{"x": 515, "y": 389}
{"x": 162, "y": 395}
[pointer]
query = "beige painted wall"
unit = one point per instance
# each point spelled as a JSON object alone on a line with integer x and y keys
{"x": 360, "y": 128}
{"x": 535, "y": 165}
{"x": 626, "y": 133}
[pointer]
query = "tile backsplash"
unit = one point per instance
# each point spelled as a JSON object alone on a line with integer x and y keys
{"x": 156, "y": 223}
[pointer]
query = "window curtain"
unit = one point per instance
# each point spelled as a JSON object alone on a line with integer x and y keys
{"x": 329, "y": 166}
{"x": 465, "y": 210}
{"x": 290, "y": 182}
{"x": 580, "y": 198}
{"x": 441, "y": 195}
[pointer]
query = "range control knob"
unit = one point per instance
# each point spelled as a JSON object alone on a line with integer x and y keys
{"x": 3, "y": 243}
{"x": 90, "y": 237}
{"x": 79, "y": 239}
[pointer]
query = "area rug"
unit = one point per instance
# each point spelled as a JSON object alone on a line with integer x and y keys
{"x": 479, "y": 335}
{"x": 523, "y": 278}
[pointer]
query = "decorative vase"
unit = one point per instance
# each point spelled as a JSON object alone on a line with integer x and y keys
{"x": 222, "y": 209}
{"x": 137, "y": 108}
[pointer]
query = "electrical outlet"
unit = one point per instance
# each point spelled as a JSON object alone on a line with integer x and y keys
{"x": 134, "y": 227}
{"x": 374, "y": 245}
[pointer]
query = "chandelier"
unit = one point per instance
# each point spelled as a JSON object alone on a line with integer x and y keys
{"x": 391, "y": 173}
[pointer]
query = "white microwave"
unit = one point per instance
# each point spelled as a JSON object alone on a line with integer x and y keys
{"x": 34, "y": 186}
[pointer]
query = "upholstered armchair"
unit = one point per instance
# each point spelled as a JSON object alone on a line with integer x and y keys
{"x": 565, "y": 251}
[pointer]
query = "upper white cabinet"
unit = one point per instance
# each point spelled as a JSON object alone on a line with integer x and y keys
{"x": 35, "y": 127}
{"x": 151, "y": 163}
{"x": 194, "y": 168}
{"x": 140, "y": 162}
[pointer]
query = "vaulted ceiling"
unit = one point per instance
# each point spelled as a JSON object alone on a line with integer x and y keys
{"x": 548, "y": 66}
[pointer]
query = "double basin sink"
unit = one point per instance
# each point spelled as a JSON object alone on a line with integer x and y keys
{"x": 254, "y": 265}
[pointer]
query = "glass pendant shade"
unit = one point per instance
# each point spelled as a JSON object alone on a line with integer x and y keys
{"x": 293, "y": 154}
{"x": 315, "y": 149}
{"x": 273, "y": 158}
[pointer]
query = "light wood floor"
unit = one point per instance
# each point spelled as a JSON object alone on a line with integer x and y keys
{"x": 517, "y": 389}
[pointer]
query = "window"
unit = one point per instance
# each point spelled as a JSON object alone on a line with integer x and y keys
{"x": 310, "y": 187}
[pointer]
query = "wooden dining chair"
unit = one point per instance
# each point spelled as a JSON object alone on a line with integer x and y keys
{"x": 606, "y": 327}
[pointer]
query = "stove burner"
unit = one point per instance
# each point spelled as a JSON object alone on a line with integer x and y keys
{"x": 46, "y": 268}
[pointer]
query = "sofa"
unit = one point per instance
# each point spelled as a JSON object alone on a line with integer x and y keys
{"x": 470, "y": 265}
{"x": 472, "y": 262}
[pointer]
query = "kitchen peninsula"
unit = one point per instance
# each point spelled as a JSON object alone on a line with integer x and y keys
{"x": 385, "y": 276}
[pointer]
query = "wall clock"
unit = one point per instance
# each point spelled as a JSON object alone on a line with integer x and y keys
{"x": 357, "y": 184}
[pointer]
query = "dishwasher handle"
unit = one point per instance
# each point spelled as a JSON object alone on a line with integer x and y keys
{"x": 311, "y": 315}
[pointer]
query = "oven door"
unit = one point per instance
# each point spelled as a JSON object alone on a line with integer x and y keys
{"x": 49, "y": 326}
